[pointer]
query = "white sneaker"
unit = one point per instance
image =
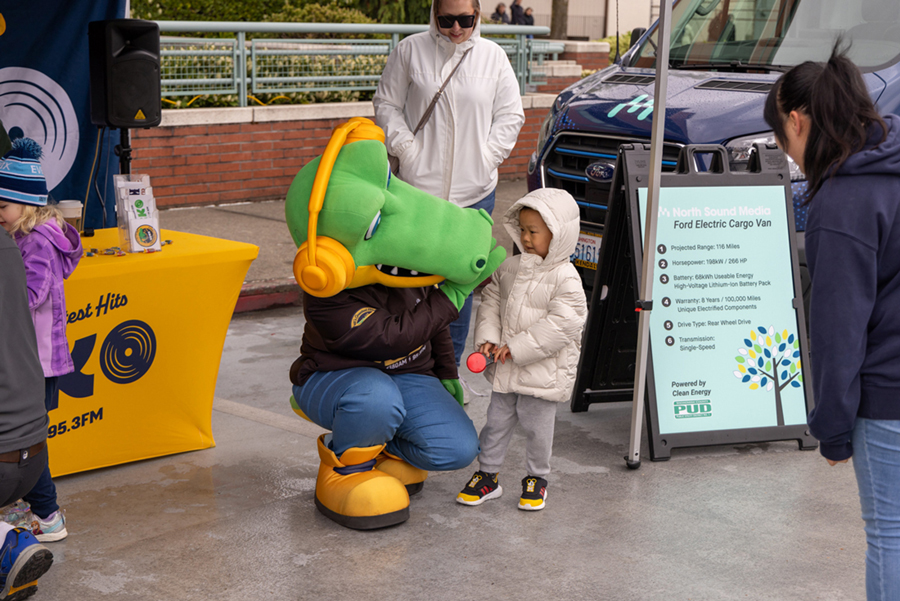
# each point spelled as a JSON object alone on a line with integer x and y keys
{"x": 52, "y": 530}
{"x": 469, "y": 390}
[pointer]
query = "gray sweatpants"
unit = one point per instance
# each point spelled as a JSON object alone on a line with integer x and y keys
{"x": 537, "y": 417}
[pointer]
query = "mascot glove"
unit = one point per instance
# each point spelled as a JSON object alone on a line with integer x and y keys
{"x": 458, "y": 293}
{"x": 455, "y": 389}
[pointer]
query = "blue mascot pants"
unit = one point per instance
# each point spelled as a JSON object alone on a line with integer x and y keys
{"x": 414, "y": 414}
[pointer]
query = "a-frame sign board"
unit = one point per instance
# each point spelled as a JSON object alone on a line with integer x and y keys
{"x": 727, "y": 331}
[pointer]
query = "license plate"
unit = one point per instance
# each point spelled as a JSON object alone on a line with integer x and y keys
{"x": 587, "y": 250}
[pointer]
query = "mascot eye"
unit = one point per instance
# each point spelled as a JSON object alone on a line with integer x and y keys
{"x": 389, "y": 177}
{"x": 373, "y": 226}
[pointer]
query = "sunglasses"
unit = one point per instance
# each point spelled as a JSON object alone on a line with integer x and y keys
{"x": 465, "y": 21}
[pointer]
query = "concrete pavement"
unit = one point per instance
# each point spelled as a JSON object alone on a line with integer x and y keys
{"x": 237, "y": 522}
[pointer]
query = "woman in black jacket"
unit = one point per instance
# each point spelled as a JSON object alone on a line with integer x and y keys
{"x": 528, "y": 17}
{"x": 824, "y": 119}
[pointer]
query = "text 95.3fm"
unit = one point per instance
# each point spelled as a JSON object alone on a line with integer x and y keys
{"x": 76, "y": 423}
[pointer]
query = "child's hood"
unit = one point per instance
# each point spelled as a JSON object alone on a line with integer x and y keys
{"x": 67, "y": 243}
{"x": 559, "y": 211}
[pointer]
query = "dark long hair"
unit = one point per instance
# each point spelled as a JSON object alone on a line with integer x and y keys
{"x": 834, "y": 97}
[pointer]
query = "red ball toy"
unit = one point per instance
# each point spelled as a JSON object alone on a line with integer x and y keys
{"x": 477, "y": 362}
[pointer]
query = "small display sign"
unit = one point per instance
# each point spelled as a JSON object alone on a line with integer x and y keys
{"x": 723, "y": 330}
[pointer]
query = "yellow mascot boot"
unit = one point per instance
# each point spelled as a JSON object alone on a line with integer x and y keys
{"x": 354, "y": 494}
{"x": 412, "y": 477}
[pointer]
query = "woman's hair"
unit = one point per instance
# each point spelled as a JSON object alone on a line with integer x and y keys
{"x": 34, "y": 216}
{"x": 436, "y": 7}
{"x": 834, "y": 97}
{"x": 499, "y": 6}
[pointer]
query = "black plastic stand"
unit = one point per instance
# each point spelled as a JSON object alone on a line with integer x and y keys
{"x": 123, "y": 151}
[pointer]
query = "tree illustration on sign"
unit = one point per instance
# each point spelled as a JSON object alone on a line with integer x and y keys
{"x": 770, "y": 360}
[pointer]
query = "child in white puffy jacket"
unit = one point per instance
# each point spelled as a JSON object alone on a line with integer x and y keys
{"x": 530, "y": 321}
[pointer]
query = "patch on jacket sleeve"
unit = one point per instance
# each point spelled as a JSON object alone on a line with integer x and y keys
{"x": 360, "y": 316}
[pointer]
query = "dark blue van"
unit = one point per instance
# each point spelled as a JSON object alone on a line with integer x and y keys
{"x": 724, "y": 57}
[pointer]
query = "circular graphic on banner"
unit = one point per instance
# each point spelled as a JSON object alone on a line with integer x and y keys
{"x": 128, "y": 351}
{"x": 146, "y": 236}
{"x": 34, "y": 106}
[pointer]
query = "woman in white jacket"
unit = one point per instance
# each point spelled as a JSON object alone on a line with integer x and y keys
{"x": 474, "y": 125}
{"x": 530, "y": 320}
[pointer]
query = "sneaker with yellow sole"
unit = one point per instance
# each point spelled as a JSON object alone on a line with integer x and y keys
{"x": 481, "y": 487}
{"x": 534, "y": 493}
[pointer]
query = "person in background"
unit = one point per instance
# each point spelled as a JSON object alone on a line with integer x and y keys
{"x": 50, "y": 250}
{"x": 530, "y": 321}
{"x": 824, "y": 119}
{"x": 528, "y": 19}
{"x": 23, "y": 426}
{"x": 518, "y": 14}
{"x": 500, "y": 15}
{"x": 475, "y": 123}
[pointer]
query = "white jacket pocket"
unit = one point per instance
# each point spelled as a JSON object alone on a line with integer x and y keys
{"x": 540, "y": 375}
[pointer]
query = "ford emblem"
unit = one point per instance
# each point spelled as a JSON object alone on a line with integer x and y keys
{"x": 600, "y": 172}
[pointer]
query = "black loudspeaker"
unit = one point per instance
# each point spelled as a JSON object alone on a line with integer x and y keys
{"x": 125, "y": 80}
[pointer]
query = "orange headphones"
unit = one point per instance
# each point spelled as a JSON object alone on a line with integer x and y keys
{"x": 323, "y": 266}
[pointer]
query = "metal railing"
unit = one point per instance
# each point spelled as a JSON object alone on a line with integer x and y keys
{"x": 197, "y": 66}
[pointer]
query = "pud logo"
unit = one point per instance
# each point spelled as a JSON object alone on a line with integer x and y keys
{"x": 695, "y": 408}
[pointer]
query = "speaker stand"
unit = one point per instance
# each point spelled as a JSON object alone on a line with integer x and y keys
{"x": 123, "y": 151}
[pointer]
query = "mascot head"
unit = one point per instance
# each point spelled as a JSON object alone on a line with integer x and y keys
{"x": 355, "y": 224}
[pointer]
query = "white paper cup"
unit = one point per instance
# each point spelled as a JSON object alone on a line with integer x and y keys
{"x": 71, "y": 212}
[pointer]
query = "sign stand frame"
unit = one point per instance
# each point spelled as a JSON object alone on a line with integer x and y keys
{"x": 644, "y": 303}
{"x": 768, "y": 168}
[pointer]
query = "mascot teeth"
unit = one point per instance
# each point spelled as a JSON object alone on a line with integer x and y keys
{"x": 399, "y": 271}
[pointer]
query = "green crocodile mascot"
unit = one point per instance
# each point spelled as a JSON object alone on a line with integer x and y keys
{"x": 386, "y": 268}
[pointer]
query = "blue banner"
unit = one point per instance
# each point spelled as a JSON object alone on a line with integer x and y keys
{"x": 45, "y": 95}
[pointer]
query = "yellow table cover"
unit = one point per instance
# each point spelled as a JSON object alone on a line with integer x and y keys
{"x": 146, "y": 333}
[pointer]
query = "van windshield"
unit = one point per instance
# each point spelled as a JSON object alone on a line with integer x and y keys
{"x": 738, "y": 34}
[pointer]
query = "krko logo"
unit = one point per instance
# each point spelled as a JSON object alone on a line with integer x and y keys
{"x": 126, "y": 355}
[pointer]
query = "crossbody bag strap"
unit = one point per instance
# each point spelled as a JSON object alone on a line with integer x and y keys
{"x": 437, "y": 96}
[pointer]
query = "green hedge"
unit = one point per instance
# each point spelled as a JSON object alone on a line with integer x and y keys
{"x": 624, "y": 44}
{"x": 318, "y": 13}
{"x": 205, "y": 10}
{"x": 380, "y": 11}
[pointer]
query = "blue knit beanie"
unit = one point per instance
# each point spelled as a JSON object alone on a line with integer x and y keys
{"x": 21, "y": 177}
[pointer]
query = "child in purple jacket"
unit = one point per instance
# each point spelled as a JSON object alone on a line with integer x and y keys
{"x": 50, "y": 249}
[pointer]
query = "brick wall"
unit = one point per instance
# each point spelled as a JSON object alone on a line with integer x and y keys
{"x": 196, "y": 159}
{"x": 516, "y": 164}
{"x": 587, "y": 60}
{"x": 555, "y": 85}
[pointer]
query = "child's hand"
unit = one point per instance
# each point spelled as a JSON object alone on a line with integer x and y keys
{"x": 487, "y": 348}
{"x": 502, "y": 353}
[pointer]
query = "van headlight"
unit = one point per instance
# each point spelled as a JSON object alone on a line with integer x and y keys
{"x": 739, "y": 151}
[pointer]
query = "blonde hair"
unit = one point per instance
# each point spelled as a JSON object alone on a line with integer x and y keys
{"x": 34, "y": 216}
